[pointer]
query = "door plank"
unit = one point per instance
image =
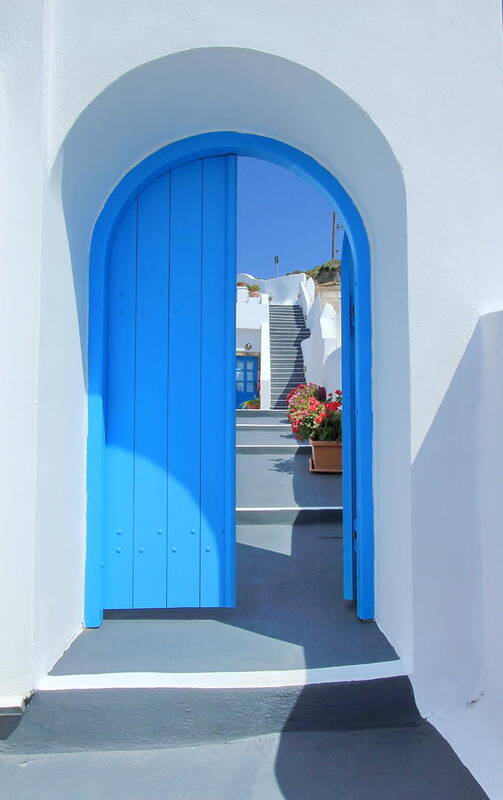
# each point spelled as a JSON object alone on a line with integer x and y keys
{"x": 119, "y": 442}
{"x": 217, "y": 388}
{"x": 151, "y": 397}
{"x": 184, "y": 388}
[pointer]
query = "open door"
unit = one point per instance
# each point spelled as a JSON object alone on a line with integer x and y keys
{"x": 348, "y": 425}
{"x": 358, "y": 548}
{"x": 170, "y": 393}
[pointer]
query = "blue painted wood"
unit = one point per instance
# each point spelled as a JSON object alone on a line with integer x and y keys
{"x": 119, "y": 415}
{"x": 246, "y": 379}
{"x": 184, "y": 388}
{"x": 171, "y": 157}
{"x": 151, "y": 397}
{"x": 348, "y": 424}
{"x": 362, "y": 440}
{"x": 228, "y": 397}
{"x": 218, "y": 333}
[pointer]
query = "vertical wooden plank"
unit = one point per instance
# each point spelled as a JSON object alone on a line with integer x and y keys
{"x": 230, "y": 390}
{"x": 362, "y": 453}
{"x": 119, "y": 415}
{"x": 348, "y": 426}
{"x": 98, "y": 312}
{"x": 217, "y": 385}
{"x": 150, "y": 484}
{"x": 184, "y": 388}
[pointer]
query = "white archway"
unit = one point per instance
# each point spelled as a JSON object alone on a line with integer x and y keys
{"x": 192, "y": 92}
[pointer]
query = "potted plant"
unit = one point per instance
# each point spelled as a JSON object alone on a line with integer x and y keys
{"x": 318, "y": 418}
{"x": 253, "y": 403}
{"x": 254, "y": 289}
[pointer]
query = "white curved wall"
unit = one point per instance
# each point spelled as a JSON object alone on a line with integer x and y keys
{"x": 284, "y": 291}
{"x": 322, "y": 350}
{"x": 72, "y": 132}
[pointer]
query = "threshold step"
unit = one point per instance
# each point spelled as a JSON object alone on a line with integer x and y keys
{"x": 288, "y": 515}
{"x": 129, "y": 718}
{"x": 258, "y": 426}
{"x": 255, "y": 412}
{"x": 252, "y": 449}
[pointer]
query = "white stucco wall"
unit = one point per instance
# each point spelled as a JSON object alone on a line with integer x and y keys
{"x": 474, "y": 725}
{"x": 251, "y": 315}
{"x": 248, "y": 336}
{"x": 322, "y": 350}
{"x": 284, "y": 291}
{"x": 404, "y": 112}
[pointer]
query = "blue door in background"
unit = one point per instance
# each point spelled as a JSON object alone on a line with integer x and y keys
{"x": 246, "y": 379}
{"x": 170, "y": 393}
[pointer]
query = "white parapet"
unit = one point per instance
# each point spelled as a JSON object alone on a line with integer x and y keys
{"x": 307, "y": 295}
{"x": 283, "y": 291}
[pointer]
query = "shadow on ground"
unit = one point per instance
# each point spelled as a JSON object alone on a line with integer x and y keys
{"x": 289, "y": 615}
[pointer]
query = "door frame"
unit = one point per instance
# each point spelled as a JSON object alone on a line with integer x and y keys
{"x": 167, "y": 158}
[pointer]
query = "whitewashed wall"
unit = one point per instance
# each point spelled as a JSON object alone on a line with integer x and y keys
{"x": 248, "y": 336}
{"x": 322, "y": 350}
{"x": 284, "y": 291}
{"x": 252, "y": 327}
{"x": 469, "y": 429}
{"x": 404, "y": 112}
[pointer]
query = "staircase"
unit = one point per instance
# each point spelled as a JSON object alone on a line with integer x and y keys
{"x": 287, "y": 331}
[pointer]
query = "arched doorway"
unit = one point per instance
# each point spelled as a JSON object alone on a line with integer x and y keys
{"x": 358, "y": 514}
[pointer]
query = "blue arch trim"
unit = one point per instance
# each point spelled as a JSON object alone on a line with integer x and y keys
{"x": 167, "y": 158}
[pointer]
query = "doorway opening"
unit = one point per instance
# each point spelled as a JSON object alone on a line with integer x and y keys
{"x": 209, "y": 160}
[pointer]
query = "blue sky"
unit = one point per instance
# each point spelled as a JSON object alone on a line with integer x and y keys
{"x": 280, "y": 214}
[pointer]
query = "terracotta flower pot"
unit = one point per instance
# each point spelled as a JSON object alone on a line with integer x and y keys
{"x": 327, "y": 456}
{"x": 241, "y": 283}
{"x": 254, "y": 294}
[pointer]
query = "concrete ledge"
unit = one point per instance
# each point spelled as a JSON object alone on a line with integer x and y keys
{"x": 10, "y": 717}
{"x": 251, "y": 679}
{"x": 118, "y": 719}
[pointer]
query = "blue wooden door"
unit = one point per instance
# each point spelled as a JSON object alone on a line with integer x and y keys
{"x": 170, "y": 393}
{"x": 348, "y": 424}
{"x": 246, "y": 379}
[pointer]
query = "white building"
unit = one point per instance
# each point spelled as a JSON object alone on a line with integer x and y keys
{"x": 400, "y": 102}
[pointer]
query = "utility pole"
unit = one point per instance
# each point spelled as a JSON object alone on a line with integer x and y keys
{"x": 334, "y": 231}
{"x": 276, "y": 264}
{"x": 335, "y": 228}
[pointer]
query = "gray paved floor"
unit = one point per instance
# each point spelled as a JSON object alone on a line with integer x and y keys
{"x": 276, "y": 479}
{"x": 266, "y": 436}
{"x": 255, "y": 416}
{"x": 289, "y": 615}
{"x": 405, "y": 763}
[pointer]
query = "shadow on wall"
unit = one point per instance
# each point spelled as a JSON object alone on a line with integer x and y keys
{"x": 447, "y": 513}
{"x": 456, "y": 614}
